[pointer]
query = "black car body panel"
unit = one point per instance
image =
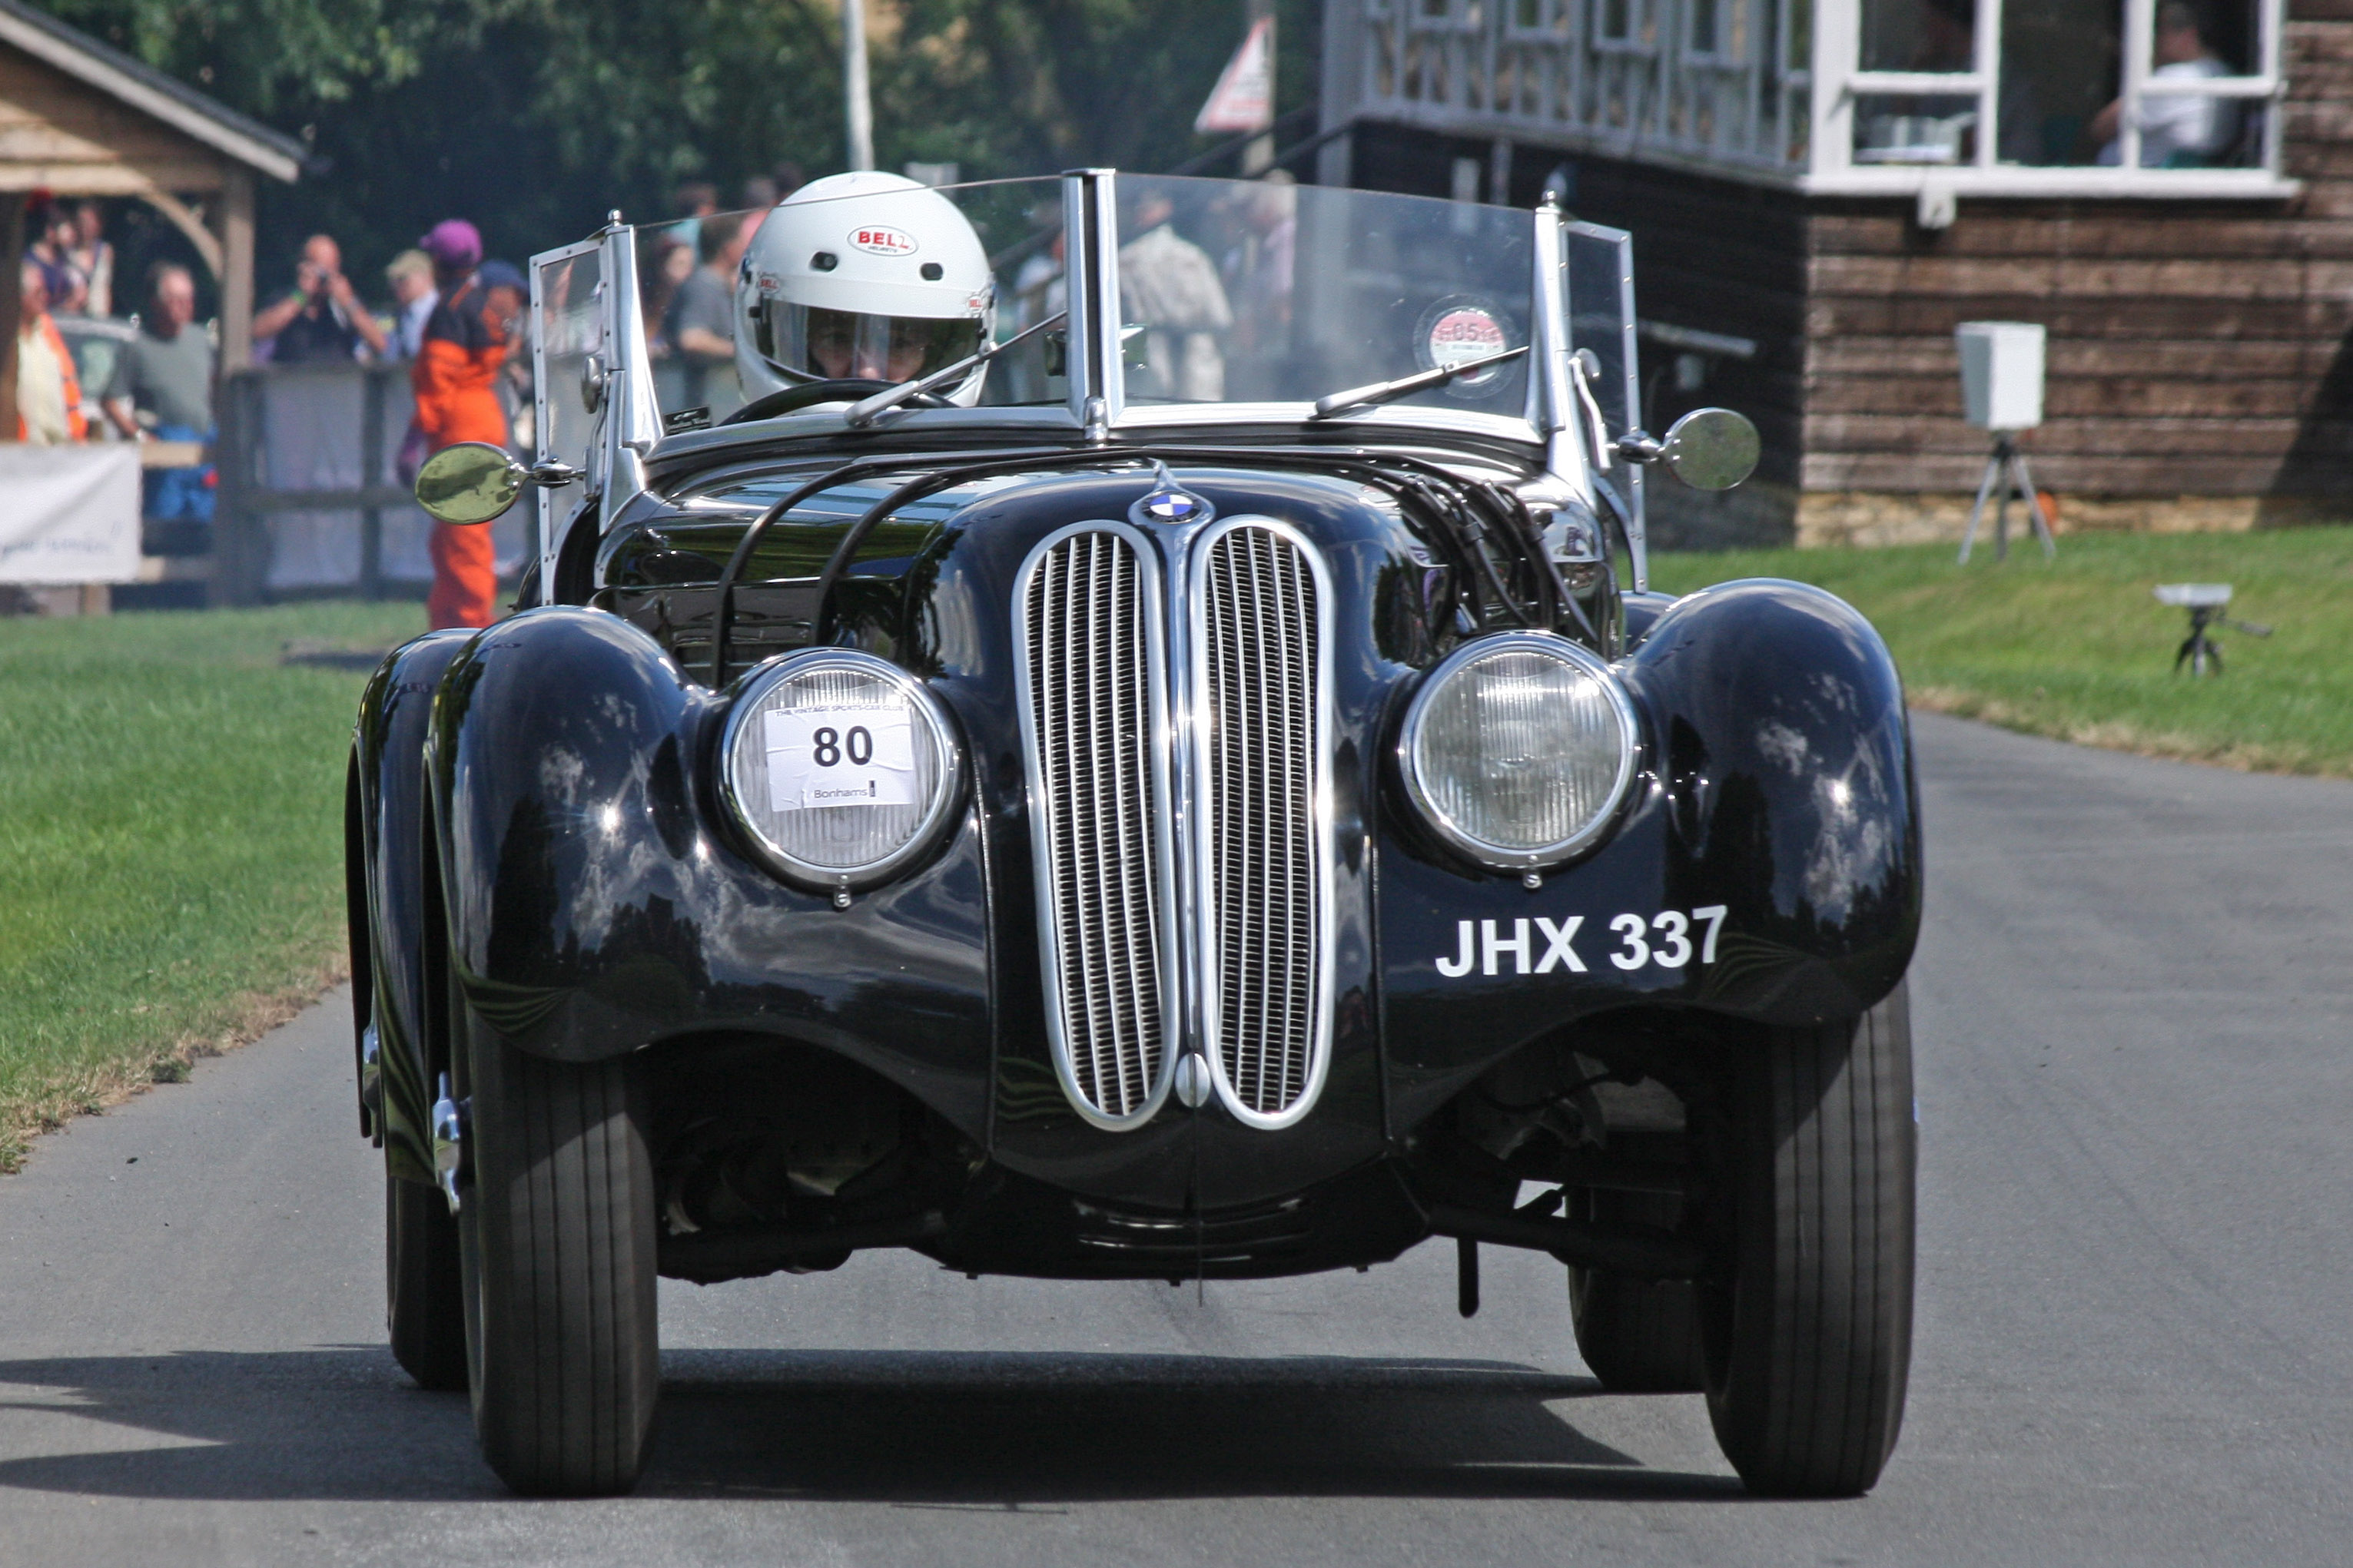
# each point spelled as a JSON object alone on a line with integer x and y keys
{"x": 545, "y": 854}
{"x": 601, "y": 900}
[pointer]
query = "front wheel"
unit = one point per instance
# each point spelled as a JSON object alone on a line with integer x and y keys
{"x": 1637, "y": 1336}
{"x": 1807, "y": 1326}
{"x": 423, "y": 1308}
{"x": 558, "y": 1230}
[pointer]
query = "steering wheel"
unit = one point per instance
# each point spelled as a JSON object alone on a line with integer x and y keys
{"x": 843, "y": 389}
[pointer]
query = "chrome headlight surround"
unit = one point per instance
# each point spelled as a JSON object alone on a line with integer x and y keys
{"x": 743, "y": 762}
{"x": 1418, "y": 766}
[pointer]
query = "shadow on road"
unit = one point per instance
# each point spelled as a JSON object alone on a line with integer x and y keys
{"x": 949, "y": 1430}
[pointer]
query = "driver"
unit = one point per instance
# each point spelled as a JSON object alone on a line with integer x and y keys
{"x": 862, "y": 277}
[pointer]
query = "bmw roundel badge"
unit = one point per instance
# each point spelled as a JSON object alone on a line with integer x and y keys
{"x": 1170, "y": 506}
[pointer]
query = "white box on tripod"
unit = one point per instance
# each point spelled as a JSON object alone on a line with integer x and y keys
{"x": 2001, "y": 373}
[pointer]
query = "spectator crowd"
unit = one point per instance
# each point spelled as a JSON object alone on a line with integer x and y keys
{"x": 448, "y": 313}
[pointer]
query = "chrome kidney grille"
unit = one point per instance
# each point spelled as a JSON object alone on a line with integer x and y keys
{"x": 1090, "y": 710}
{"x": 1109, "y": 776}
{"x": 1259, "y": 662}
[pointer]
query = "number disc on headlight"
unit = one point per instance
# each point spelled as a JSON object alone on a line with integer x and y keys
{"x": 840, "y": 766}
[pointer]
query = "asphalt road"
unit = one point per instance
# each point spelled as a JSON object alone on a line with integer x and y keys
{"x": 2134, "y": 1018}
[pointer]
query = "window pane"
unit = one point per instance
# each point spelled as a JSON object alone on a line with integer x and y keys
{"x": 2062, "y": 69}
{"x": 1243, "y": 292}
{"x": 1918, "y": 35}
{"x": 2061, "y": 66}
{"x": 1916, "y": 127}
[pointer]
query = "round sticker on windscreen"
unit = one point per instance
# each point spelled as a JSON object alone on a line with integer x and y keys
{"x": 1456, "y": 331}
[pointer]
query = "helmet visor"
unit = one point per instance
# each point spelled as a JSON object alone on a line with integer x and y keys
{"x": 807, "y": 342}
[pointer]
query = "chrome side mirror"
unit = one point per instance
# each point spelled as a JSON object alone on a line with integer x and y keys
{"x": 1708, "y": 448}
{"x": 474, "y": 482}
{"x": 1712, "y": 448}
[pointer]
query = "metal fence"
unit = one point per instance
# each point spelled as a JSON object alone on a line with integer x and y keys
{"x": 311, "y": 502}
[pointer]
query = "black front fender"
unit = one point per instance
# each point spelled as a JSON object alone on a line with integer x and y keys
{"x": 386, "y": 863}
{"x": 1785, "y": 757}
{"x": 597, "y": 902}
{"x": 1767, "y": 866}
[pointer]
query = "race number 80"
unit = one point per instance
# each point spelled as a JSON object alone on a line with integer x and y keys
{"x": 828, "y": 745}
{"x": 833, "y": 757}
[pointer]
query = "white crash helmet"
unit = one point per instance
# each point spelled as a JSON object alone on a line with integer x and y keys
{"x": 862, "y": 275}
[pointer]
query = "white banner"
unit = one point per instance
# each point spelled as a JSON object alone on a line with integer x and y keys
{"x": 70, "y": 514}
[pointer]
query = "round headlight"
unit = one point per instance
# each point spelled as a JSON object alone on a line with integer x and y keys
{"x": 840, "y": 766}
{"x": 1518, "y": 747}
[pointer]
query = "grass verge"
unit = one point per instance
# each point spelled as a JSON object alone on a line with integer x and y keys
{"x": 170, "y": 826}
{"x": 2078, "y": 648}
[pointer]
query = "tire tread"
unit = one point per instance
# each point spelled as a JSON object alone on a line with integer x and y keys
{"x": 425, "y": 1309}
{"x": 1811, "y": 1399}
{"x": 570, "y": 1350}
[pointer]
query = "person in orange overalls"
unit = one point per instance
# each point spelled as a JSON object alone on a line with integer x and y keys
{"x": 455, "y": 375}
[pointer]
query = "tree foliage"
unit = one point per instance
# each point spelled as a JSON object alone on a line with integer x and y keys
{"x": 534, "y": 116}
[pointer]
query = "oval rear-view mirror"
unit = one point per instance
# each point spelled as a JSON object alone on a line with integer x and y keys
{"x": 472, "y": 482}
{"x": 1712, "y": 448}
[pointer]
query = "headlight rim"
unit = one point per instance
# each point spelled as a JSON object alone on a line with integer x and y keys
{"x": 805, "y": 875}
{"x": 1495, "y": 857}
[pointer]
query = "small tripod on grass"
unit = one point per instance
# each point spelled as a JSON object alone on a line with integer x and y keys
{"x": 2006, "y": 466}
{"x": 2205, "y": 602}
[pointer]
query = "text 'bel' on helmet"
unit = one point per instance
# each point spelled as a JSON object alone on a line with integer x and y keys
{"x": 866, "y": 275}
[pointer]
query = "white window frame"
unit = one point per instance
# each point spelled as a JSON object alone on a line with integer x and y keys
{"x": 1550, "y": 27}
{"x": 1840, "y": 82}
{"x": 1727, "y": 24}
{"x": 1641, "y": 31}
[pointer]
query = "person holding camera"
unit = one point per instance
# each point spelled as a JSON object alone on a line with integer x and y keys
{"x": 322, "y": 320}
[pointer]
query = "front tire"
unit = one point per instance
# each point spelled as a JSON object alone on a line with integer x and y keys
{"x": 1637, "y": 1336}
{"x": 424, "y": 1304}
{"x": 558, "y": 1233}
{"x": 1808, "y": 1327}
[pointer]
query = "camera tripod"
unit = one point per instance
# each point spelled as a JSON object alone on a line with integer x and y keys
{"x": 2006, "y": 466}
{"x": 2207, "y": 603}
{"x": 2199, "y": 650}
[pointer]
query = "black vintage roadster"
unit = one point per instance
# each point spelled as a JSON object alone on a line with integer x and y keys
{"x": 1223, "y": 806}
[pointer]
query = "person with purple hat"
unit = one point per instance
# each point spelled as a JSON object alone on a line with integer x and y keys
{"x": 456, "y": 378}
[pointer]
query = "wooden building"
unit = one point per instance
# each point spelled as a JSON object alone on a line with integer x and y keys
{"x": 1833, "y": 185}
{"x": 80, "y": 119}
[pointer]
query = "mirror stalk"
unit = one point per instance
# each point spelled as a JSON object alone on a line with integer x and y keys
{"x": 1639, "y": 447}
